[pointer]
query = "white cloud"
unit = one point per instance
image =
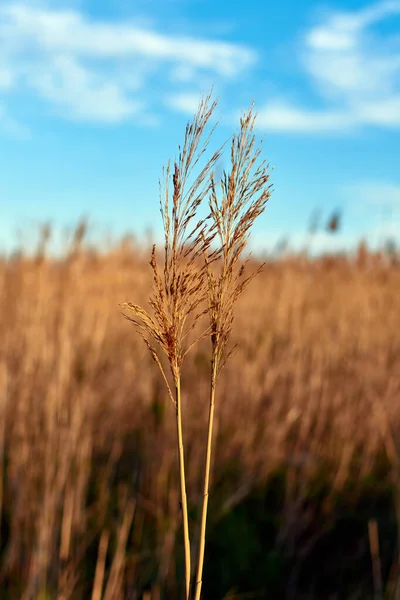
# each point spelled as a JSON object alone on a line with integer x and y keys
{"x": 321, "y": 242}
{"x": 69, "y": 31}
{"x": 354, "y": 70}
{"x": 374, "y": 194}
{"x": 184, "y": 74}
{"x": 184, "y": 102}
{"x": 382, "y": 112}
{"x": 85, "y": 94}
{"x": 281, "y": 116}
{"x": 342, "y": 30}
{"x": 103, "y": 70}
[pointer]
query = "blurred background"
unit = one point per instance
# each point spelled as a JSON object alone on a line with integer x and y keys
{"x": 305, "y": 495}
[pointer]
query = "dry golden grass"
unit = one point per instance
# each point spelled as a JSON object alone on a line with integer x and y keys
{"x": 179, "y": 291}
{"x": 88, "y": 446}
{"x": 189, "y": 288}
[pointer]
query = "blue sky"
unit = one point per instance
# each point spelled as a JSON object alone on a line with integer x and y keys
{"x": 95, "y": 95}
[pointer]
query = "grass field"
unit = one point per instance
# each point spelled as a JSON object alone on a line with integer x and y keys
{"x": 306, "y": 434}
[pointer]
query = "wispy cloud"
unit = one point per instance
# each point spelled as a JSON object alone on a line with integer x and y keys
{"x": 186, "y": 102}
{"x": 103, "y": 70}
{"x": 374, "y": 194}
{"x": 70, "y": 31}
{"x": 282, "y": 116}
{"x": 83, "y": 93}
{"x": 354, "y": 71}
{"x": 297, "y": 241}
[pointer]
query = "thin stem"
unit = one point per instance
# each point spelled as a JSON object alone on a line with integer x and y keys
{"x": 202, "y": 541}
{"x": 183, "y": 486}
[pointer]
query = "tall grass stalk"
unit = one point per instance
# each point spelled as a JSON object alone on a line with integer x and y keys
{"x": 187, "y": 284}
{"x": 185, "y": 520}
{"x": 243, "y": 195}
{"x": 180, "y": 291}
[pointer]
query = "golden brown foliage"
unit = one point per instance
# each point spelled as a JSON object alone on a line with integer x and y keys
{"x": 318, "y": 343}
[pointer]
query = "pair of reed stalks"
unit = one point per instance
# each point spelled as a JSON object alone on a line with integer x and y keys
{"x": 202, "y": 277}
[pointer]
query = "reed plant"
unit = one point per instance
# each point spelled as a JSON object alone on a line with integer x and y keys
{"x": 242, "y": 197}
{"x": 202, "y": 275}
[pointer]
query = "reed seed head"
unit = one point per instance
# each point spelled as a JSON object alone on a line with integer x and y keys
{"x": 180, "y": 289}
{"x": 241, "y": 198}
